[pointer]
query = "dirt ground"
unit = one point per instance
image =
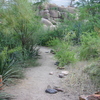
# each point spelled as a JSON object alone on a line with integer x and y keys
{"x": 36, "y": 80}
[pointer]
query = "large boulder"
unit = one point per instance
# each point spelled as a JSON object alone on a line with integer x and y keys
{"x": 62, "y": 9}
{"x": 45, "y": 14}
{"x": 54, "y": 13}
{"x": 46, "y": 22}
{"x": 53, "y": 7}
{"x": 64, "y": 15}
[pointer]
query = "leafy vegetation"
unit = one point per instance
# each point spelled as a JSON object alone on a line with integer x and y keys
{"x": 18, "y": 36}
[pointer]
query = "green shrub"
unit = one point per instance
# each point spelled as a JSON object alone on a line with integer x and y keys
{"x": 89, "y": 46}
{"x": 63, "y": 51}
{"x": 48, "y": 35}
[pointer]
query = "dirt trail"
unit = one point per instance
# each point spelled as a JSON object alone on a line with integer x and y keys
{"x": 36, "y": 80}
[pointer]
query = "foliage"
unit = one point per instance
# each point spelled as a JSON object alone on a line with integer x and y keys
{"x": 18, "y": 36}
{"x": 89, "y": 46}
{"x": 6, "y": 65}
{"x": 46, "y": 36}
{"x": 19, "y": 27}
{"x": 63, "y": 51}
{"x": 94, "y": 72}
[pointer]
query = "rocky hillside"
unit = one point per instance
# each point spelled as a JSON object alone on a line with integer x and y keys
{"x": 52, "y": 14}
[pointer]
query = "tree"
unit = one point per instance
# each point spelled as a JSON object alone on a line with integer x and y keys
{"x": 20, "y": 23}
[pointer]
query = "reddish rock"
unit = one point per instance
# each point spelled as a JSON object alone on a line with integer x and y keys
{"x": 90, "y": 97}
{"x": 94, "y": 97}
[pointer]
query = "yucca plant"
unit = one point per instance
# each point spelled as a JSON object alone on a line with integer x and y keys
{"x": 7, "y": 68}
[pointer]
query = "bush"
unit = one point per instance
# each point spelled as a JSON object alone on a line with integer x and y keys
{"x": 48, "y": 35}
{"x": 89, "y": 46}
{"x": 63, "y": 52}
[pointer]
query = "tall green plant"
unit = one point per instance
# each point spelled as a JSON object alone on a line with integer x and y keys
{"x": 89, "y": 46}
{"x": 20, "y": 22}
{"x": 6, "y": 65}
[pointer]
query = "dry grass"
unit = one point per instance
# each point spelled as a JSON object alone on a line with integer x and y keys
{"x": 78, "y": 82}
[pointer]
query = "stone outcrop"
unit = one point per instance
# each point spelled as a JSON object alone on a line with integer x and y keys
{"x": 52, "y": 14}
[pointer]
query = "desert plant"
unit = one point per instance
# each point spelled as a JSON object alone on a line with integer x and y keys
{"x": 7, "y": 68}
{"x": 89, "y": 46}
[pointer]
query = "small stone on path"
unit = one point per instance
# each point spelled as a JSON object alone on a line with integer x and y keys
{"x": 51, "y": 73}
{"x": 51, "y": 91}
{"x": 61, "y": 75}
{"x": 64, "y": 72}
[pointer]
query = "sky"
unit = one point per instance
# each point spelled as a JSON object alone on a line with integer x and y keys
{"x": 61, "y": 2}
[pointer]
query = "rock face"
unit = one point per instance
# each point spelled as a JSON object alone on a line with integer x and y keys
{"x": 52, "y": 13}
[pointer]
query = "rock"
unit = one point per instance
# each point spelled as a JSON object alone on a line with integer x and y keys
{"x": 52, "y": 51}
{"x": 58, "y": 89}
{"x": 54, "y": 13}
{"x": 61, "y": 75}
{"x": 51, "y": 73}
{"x": 45, "y": 14}
{"x": 90, "y": 97}
{"x": 71, "y": 10}
{"x": 65, "y": 72}
{"x": 61, "y": 68}
{"x": 53, "y": 6}
{"x": 94, "y": 97}
{"x": 51, "y": 91}
{"x": 62, "y": 9}
{"x": 64, "y": 15}
{"x": 46, "y": 11}
{"x": 56, "y": 63}
{"x": 83, "y": 97}
{"x": 46, "y": 22}
{"x": 53, "y": 21}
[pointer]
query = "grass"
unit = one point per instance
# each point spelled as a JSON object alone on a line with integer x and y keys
{"x": 28, "y": 63}
{"x": 78, "y": 82}
{"x": 93, "y": 71}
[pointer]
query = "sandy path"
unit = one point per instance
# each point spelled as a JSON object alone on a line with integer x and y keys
{"x": 37, "y": 79}
{"x": 33, "y": 86}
